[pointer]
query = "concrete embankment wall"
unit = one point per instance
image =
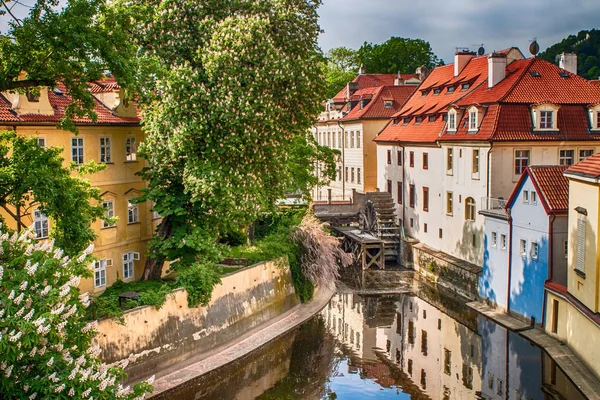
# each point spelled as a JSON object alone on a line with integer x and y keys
{"x": 160, "y": 338}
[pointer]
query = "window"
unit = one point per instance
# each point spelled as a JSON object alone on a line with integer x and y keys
{"x": 399, "y": 193}
{"x": 424, "y": 342}
{"x": 352, "y": 139}
{"x": 452, "y": 120}
{"x": 473, "y": 120}
{"x": 406, "y": 120}
{"x": 470, "y": 209}
{"x": 440, "y": 233}
{"x": 525, "y": 197}
{"x": 32, "y": 95}
{"x": 133, "y": 214}
{"x": 554, "y": 316}
{"x": 105, "y": 150}
{"x": 533, "y": 197}
{"x": 449, "y": 203}
{"x": 546, "y": 119}
{"x": 389, "y": 156}
{"x": 449, "y": 161}
{"x": 40, "y": 224}
{"x": 410, "y": 367}
{"x": 431, "y": 118}
{"x": 464, "y": 86}
{"x": 423, "y": 379}
{"x": 411, "y": 196}
{"x": 521, "y": 161}
{"x": 494, "y": 239}
{"x": 109, "y": 211}
{"x": 503, "y": 242}
{"x": 155, "y": 214}
{"x": 128, "y": 264}
{"x": 41, "y": 142}
{"x": 412, "y": 158}
{"x": 580, "y": 255}
{"x": 418, "y": 120}
{"x": 389, "y": 186}
{"x": 333, "y": 140}
{"x": 583, "y": 154}
{"x": 100, "y": 273}
{"x": 475, "y": 162}
{"x": 425, "y": 228}
{"x": 534, "y": 250}
{"x": 77, "y": 150}
{"x": 566, "y": 249}
{"x": 566, "y": 157}
{"x": 523, "y": 248}
{"x": 346, "y": 174}
{"x": 436, "y": 92}
{"x": 411, "y": 332}
{"x": 399, "y": 157}
{"x": 352, "y": 174}
{"x": 347, "y": 140}
{"x": 450, "y": 89}
{"x": 358, "y": 178}
{"x": 339, "y": 174}
{"x": 425, "y": 161}
{"x": 447, "y": 362}
{"x": 358, "y": 140}
{"x": 340, "y": 140}
{"x": 425, "y": 199}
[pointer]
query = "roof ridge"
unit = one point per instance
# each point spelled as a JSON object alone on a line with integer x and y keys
{"x": 517, "y": 81}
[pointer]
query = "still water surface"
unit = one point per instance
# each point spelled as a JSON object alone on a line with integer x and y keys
{"x": 400, "y": 346}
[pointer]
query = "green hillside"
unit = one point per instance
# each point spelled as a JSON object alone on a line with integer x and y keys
{"x": 586, "y": 44}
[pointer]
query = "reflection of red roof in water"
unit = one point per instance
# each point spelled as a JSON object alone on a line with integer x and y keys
{"x": 380, "y": 373}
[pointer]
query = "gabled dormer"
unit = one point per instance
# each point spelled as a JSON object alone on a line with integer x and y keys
{"x": 594, "y": 112}
{"x": 544, "y": 117}
{"x": 32, "y": 102}
{"x": 474, "y": 116}
{"x": 452, "y": 122}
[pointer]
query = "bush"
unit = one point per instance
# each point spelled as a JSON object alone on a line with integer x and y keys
{"x": 199, "y": 280}
{"x": 234, "y": 238}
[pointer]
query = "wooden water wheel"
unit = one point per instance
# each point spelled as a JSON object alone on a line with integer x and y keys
{"x": 368, "y": 219}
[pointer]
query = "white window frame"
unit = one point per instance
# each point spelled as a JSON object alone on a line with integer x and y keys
{"x": 358, "y": 144}
{"x": 105, "y": 149}
{"x": 534, "y": 251}
{"x": 563, "y": 158}
{"x": 109, "y": 206}
{"x": 449, "y": 203}
{"x": 553, "y": 113}
{"x": 77, "y": 150}
{"x": 525, "y": 197}
{"x": 130, "y": 148}
{"x": 358, "y": 178}
{"x": 449, "y": 161}
{"x": 523, "y": 248}
{"x": 473, "y": 117}
{"x": 470, "y": 209}
{"x": 475, "y": 162}
{"x": 41, "y": 141}
{"x": 494, "y": 239}
{"x": 518, "y": 156}
{"x": 40, "y": 224}
{"x": 595, "y": 117}
{"x": 133, "y": 212}
{"x": 100, "y": 272}
{"x": 533, "y": 199}
{"x": 452, "y": 120}
{"x": 129, "y": 259}
{"x": 503, "y": 241}
{"x": 582, "y": 157}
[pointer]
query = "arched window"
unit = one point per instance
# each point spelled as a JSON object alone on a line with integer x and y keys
{"x": 470, "y": 209}
{"x": 452, "y": 120}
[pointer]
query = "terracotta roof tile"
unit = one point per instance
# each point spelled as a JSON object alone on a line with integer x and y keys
{"x": 376, "y": 107}
{"x": 372, "y": 80}
{"x": 6, "y": 112}
{"x": 105, "y": 85}
{"x": 590, "y": 167}
{"x": 552, "y": 186}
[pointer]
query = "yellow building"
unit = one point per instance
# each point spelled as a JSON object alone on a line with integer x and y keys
{"x": 572, "y": 312}
{"x": 112, "y": 139}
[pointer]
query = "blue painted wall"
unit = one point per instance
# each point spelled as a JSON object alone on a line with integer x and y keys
{"x": 493, "y": 282}
{"x": 528, "y": 274}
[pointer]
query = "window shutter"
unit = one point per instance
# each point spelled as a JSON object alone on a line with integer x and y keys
{"x": 109, "y": 262}
{"x": 580, "y": 262}
{"x": 136, "y": 256}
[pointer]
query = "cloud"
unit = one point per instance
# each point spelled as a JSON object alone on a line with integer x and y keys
{"x": 447, "y": 24}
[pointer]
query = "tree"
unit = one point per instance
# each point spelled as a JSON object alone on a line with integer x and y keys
{"x": 235, "y": 84}
{"x": 343, "y": 59}
{"x": 72, "y": 44}
{"x": 33, "y": 177}
{"x": 586, "y": 44}
{"x": 45, "y": 340}
{"x": 397, "y": 55}
{"x": 339, "y": 69}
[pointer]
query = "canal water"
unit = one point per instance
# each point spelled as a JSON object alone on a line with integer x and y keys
{"x": 390, "y": 346}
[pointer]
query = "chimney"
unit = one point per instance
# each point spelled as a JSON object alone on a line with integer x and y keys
{"x": 351, "y": 88}
{"x": 362, "y": 70}
{"x": 399, "y": 81}
{"x": 422, "y": 72}
{"x": 496, "y": 68}
{"x": 461, "y": 58}
{"x": 568, "y": 62}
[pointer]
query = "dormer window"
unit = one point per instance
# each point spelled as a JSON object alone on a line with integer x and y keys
{"x": 465, "y": 86}
{"x": 595, "y": 117}
{"x": 436, "y": 92}
{"x": 424, "y": 93}
{"x": 418, "y": 120}
{"x": 406, "y": 121}
{"x": 388, "y": 104}
{"x": 450, "y": 89}
{"x": 473, "y": 119}
{"x": 431, "y": 118}
{"x": 452, "y": 120}
{"x": 545, "y": 117}
{"x": 32, "y": 96}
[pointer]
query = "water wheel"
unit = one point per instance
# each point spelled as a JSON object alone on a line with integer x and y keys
{"x": 368, "y": 219}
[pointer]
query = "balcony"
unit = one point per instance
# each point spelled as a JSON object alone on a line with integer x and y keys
{"x": 493, "y": 207}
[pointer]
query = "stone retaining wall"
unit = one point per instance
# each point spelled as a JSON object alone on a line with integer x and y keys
{"x": 160, "y": 338}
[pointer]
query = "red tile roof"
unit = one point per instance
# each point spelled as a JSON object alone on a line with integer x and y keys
{"x": 105, "y": 85}
{"x": 552, "y": 186}
{"x": 370, "y": 81}
{"x": 59, "y": 102}
{"x": 589, "y": 168}
{"x": 376, "y": 106}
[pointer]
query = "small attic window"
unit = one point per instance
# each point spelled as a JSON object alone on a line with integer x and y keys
{"x": 431, "y": 118}
{"x": 450, "y": 89}
{"x": 388, "y": 104}
{"x": 534, "y": 74}
{"x": 418, "y": 120}
{"x": 436, "y": 92}
{"x": 465, "y": 86}
{"x": 424, "y": 93}
{"x": 58, "y": 92}
{"x": 32, "y": 96}
{"x": 563, "y": 74}
{"x": 406, "y": 121}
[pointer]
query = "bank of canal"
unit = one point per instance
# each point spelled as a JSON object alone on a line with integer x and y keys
{"x": 423, "y": 345}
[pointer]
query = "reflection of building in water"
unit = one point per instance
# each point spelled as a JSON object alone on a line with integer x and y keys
{"x": 440, "y": 354}
{"x": 345, "y": 319}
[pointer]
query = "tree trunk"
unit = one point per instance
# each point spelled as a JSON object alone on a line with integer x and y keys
{"x": 154, "y": 266}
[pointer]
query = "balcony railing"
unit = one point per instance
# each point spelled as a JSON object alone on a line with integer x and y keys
{"x": 492, "y": 205}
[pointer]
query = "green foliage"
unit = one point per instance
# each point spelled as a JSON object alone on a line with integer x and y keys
{"x": 29, "y": 172}
{"x": 199, "y": 280}
{"x": 336, "y": 80}
{"x": 341, "y": 67}
{"x": 586, "y": 48}
{"x": 234, "y": 237}
{"x": 151, "y": 293}
{"x": 303, "y": 286}
{"x": 72, "y": 44}
{"x": 45, "y": 340}
{"x": 397, "y": 55}
{"x": 278, "y": 220}
{"x": 231, "y": 93}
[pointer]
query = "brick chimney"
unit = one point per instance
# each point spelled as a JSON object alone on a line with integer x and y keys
{"x": 362, "y": 70}
{"x": 568, "y": 62}
{"x": 496, "y": 68}
{"x": 399, "y": 81}
{"x": 461, "y": 58}
{"x": 351, "y": 88}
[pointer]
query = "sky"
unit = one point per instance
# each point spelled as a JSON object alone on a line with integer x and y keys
{"x": 447, "y": 24}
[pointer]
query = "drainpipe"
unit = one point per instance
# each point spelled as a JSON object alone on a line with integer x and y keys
{"x": 343, "y": 160}
{"x": 510, "y": 251}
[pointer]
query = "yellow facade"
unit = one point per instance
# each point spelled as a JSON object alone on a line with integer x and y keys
{"x": 118, "y": 183}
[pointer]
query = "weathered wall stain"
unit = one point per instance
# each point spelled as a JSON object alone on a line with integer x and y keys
{"x": 161, "y": 338}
